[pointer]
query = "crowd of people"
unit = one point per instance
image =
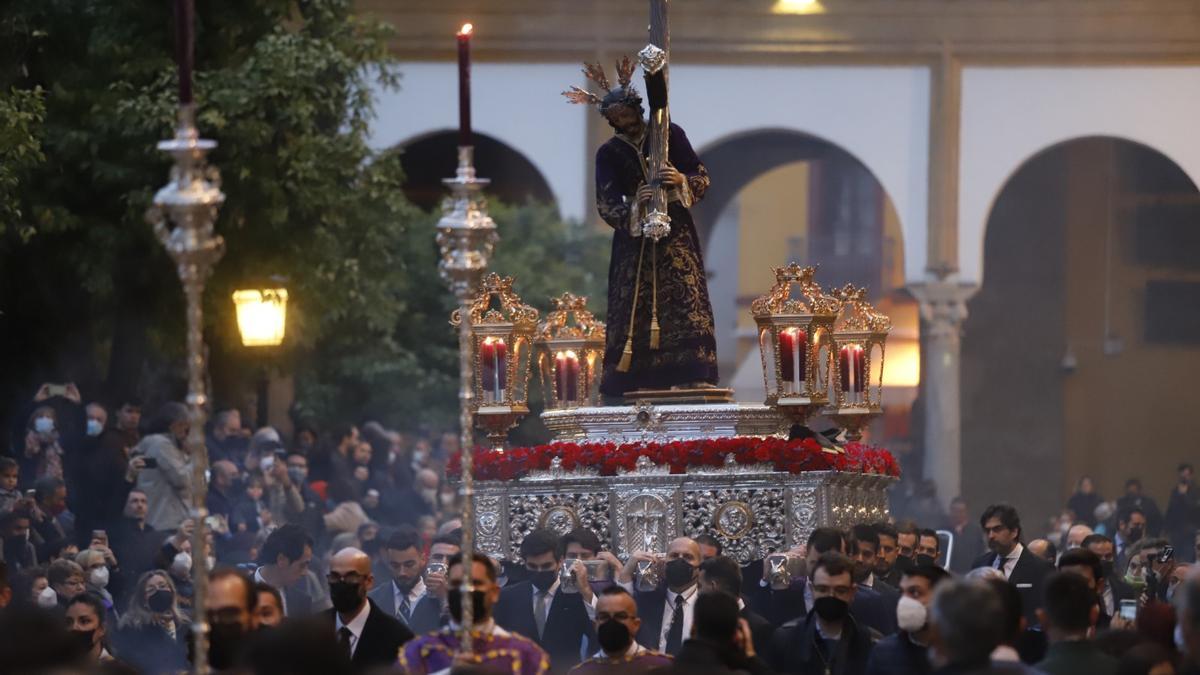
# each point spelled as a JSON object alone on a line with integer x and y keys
{"x": 341, "y": 553}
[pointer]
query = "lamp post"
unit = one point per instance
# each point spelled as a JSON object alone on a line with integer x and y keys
{"x": 190, "y": 201}
{"x": 262, "y": 319}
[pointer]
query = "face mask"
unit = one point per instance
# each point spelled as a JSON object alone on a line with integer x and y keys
{"x": 47, "y": 599}
{"x": 429, "y": 496}
{"x": 1106, "y": 566}
{"x": 297, "y": 475}
{"x": 181, "y": 566}
{"x": 225, "y": 644}
{"x": 84, "y": 639}
{"x": 911, "y": 615}
{"x": 679, "y": 572}
{"x": 903, "y": 564}
{"x": 161, "y": 600}
{"x": 212, "y": 562}
{"x": 454, "y": 600}
{"x": 418, "y": 456}
{"x": 1135, "y": 533}
{"x": 43, "y": 425}
{"x": 448, "y": 499}
{"x": 614, "y": 636}
{"x": 543, "y": 580}
{"x": 831, "y": 608}
{"x": 1137, "y": 583}
{"x": 344, "y": 596}
{"x": 926, "y": 560}
{"x": 99, "y": 577}
{"x": 94, "y": 427}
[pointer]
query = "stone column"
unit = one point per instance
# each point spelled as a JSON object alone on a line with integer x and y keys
{"x": 943, "y": 307}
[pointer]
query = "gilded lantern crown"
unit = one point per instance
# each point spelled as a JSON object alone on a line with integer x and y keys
{"x": 511, "y": 309}
{"x": 779, "y": 300}
{"x": 858, "y": 315}
{"x": 571, "y": 320}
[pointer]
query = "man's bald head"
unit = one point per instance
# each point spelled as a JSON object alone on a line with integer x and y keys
{"x": 427, "y": 478}
{"x": 1077, "y": 534}
{"x": 224, "y": 472}
{"x": 350, "y": 560}
{"x": 686, "y": 548}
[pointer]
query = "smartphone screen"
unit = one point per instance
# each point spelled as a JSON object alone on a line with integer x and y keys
{"x": 1129, "y": 610}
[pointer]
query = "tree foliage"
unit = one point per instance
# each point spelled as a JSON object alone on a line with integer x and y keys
{"x": 286, "y": 88}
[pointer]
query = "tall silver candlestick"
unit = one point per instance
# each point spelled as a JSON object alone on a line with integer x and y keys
{"x": 189, "y": 202}
{"x": 466, "y": 236}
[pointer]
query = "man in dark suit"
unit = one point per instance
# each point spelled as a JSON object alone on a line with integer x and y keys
{"x": 1113, "y": 588}
{"x": 828, "y": 641}
{"x": 1069, "y": 614}
{"x": 1087, "y": 565}
{"x": 666, "y": 612}
{"x": 906, "y": 652}
{"x": 1002, "y": 526}
{"x": 722, "y": 573}
{"x": 864, "y": 548}
{"x": 560, "y": 622}
{"x": 968, "y": 538}
{"x": 404, "y": 596}
{"x": 369, "y": 636}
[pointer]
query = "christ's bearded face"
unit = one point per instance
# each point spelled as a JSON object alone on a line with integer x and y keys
{"x": 626, "y": 120}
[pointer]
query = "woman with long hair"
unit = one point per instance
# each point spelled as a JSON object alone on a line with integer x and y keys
{"x": 86, "y": 622}
{"x": 153, "y": 632}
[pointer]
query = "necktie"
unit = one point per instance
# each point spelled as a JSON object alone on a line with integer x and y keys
{"x": 404, "y": 611}
{"x": 675, "y": 633}
{"x": 539, "y": 611}
{"x": 344, "y": 636}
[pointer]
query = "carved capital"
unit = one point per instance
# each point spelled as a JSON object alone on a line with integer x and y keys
{"x": 943, "y": 306}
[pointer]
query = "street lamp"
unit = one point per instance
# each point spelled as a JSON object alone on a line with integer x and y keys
{"x": 262, "y": 319}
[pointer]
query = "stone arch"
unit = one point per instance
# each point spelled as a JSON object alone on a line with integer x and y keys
{"x": 432, "y": 156}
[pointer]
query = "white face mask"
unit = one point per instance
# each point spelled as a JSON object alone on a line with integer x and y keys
{"x": 911, "y": 615}
{"x": 94, "y": 427}
{"x": 47, "y": 599}
{"x": 43, "y": 425}
{"x": 99, "y": 577}
{"x": 430, "y": 495}
{"x": 181, "y": 566}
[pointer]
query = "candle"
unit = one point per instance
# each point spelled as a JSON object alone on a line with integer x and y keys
{"x": 464, "y": 86}
{"x": 852, "y": 369}
{"x": 493, "y": 375}
{"x": 793, "y": 348}
{"x": 184, "y": 15}
{"x": 566, "y": 369}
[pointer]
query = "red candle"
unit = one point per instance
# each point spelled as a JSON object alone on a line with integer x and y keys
{"x": 793, "y": 348}
{"x": 566, "y": 369}
{"x": 852, "y": 369}
{"x": 492, "y": 371}
{"x": 464, "y": 86}
{"x": 184, "y": 15}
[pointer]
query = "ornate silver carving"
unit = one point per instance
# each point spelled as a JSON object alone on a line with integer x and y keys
{"x": 557, "y": 472}
{"x": 490, "y": 525}
{"x": 804, "y": 514}
{"x": 560, "y": 512}
{"x": 648, "y": 422}
{"x": 652, "y": 58}
{"x": 749, "y": 523}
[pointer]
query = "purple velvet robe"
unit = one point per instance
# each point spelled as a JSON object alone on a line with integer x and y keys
{"x": 673, "y": 268}
{"x": 502, "y": 652}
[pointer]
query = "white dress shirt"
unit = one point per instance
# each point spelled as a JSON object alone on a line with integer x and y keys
{"x": 689, "y": 607}
{"x": 414, "y": 596}
{"x": 1009, "y": 561}
{"x": 258, "y": 577}
{"x": 356, "y": 625}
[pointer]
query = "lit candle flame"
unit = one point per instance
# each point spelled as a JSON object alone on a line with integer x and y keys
{"x": 466, "y": 29}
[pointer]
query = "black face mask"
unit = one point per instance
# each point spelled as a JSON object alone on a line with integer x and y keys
{"x": 160, "y": 600}
{"x": 479, "y": 610}
{"x": 1106, "y": 566}
{"x": 1135, "y": 533}
{"x": 346, "y": 597}
{"x": 831, "y": 608}
{"x": 225, "y": 644}
{"x": 543, "y": 579}
{"x": 614, "y": 636}
{"x": 903, "y": 564}
{"x": 679, "y": 572}
{"x": 84, "y": 639}
{"x": 926, "y": 560}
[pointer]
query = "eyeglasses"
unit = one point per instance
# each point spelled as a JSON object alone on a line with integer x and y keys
{"x": 353, "y": 578}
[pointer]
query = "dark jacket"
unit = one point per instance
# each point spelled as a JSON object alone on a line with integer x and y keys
{"x": 761, "y": 630}
{"x": 1077, "y": 658}
{"x": 1028, "y": 575}
{"x": 707, "y": 658}
{"x": 567, "y": 623}
{"x": 796, "y": 650}
{"x": 381, "y": 639}
{"x": 151, "y": 649}
{"x": 898, "y": 655}
{"x": 426, "y": 617}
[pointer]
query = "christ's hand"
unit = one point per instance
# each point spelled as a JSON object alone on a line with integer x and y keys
{"x": 670, "y": 176}
{"x": 644, "y": 194}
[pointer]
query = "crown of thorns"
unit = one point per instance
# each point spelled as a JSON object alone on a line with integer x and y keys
{"x": 623, "y": 94}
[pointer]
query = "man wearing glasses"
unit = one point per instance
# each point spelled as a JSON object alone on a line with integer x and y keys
{"x": 367, "y": 635}
{"x": 617, "y": 626}
{"x": 827, "y": 640}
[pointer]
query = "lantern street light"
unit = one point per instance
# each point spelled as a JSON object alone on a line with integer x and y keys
{"x": 262, "y": 319}
{"x": 795, "y": 321}
{"x": 570, "y": 354}
{"x": 502, "y": 332}
{"x": 860, "y": 333}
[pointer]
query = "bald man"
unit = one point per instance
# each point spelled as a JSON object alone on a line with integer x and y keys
{"x": 367, "y": 634}
{"x": 1077, "y": 534}
{"x": 666, "y": 612}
